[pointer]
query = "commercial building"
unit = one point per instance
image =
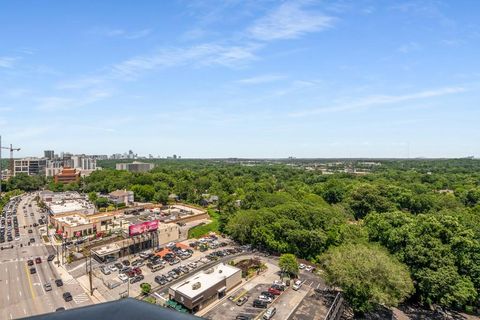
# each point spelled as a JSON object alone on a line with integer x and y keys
{"x": 49, "y": 154}
{"x": 138, "y": 237}
{"x": 67, "y": 175}
{"x": 135, "y": 166}
{"x": 206, "y": 286}
{"x": 80, "y": 224}
{"x": 29, "y": 166}
{"x": 121, "y": 196}
{"x": 63, "y": 202}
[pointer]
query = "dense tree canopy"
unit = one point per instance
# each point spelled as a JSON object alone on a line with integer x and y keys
{"x": 368, "y": 275}
{"x": 424, "y": 212}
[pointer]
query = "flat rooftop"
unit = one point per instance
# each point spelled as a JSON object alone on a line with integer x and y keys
{"x": 73, "y": 220}
{"x": 71, "y": 205}
{"x": 205, "y": 279}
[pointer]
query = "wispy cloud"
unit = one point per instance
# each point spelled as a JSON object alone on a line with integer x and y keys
{"x": 55, "y": 103}
{"x": 121, "y": 33}
{"x": 201, "y": 55}
{"x": 265, "y": 78}
{"x": 8, "y": 62}
{"x": 289, "y": 21}
{"x": 378, "y": 100}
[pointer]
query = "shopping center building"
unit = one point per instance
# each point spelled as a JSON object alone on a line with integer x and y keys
{"x": 206, "y": 286}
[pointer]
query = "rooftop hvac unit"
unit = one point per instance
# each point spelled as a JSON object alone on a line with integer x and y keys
{"x": 208, "y": 271}
{"x": 196, "y": 286}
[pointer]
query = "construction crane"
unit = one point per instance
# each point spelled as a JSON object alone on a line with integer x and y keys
{"x": 11, "y": 148}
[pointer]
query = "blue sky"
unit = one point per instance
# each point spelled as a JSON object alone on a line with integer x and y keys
{"x": 242, "y": 78}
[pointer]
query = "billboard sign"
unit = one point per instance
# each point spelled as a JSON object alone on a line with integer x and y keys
{"x": 143, "y": 227}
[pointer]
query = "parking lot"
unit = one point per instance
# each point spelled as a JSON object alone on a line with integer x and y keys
{"x": 138, "y": 269}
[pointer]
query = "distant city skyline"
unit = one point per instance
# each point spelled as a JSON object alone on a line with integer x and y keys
{"x": 246, "y": 79}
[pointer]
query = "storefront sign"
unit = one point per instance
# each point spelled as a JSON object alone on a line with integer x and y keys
{"x": 143, "y": 227}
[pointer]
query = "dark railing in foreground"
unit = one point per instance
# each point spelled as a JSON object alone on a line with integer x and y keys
{"x": 336, "y": 309}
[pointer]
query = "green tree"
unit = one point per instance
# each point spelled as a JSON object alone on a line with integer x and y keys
{"x": 288, "y": 263}
{"x": 146, "y": 288}
{"x": 368, "y": 275}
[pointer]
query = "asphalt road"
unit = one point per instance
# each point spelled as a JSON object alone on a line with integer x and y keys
{"x": 23, "y": 294}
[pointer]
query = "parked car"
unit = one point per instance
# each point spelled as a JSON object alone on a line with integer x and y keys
{"x": 242, "y": 301}
{"x": 265, "y": 298}
{"x": 268, "y": 294}
{"x": 123, "y": 277}
{"x": 137, "y": 279}
{"x": 137, "y": 271}
{"x": 274, "y": 291}
{"x": 113, "y": 268}
{"x": 296, "y": 285}
{"x": 301, "y": 266}
{"x": 119, "y": 265}
{"x": 126, "y": 263}
{"x": 105, "y": 270}
{"x": 269, "y": 313}
{"x": 161, "y": 280}
{"x": 242, "y": 317}
{"x": 309, "y": 268}
{"x": 30, "y": 262}
{"x": 278, "y": 287}
{"x": 259, "y": 304}
{"x": 67, "y": 296}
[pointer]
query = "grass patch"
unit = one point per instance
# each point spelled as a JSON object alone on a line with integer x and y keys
{"x": 204, "y": 229}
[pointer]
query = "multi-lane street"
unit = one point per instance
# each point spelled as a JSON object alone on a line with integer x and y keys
{"x": 23, "y": 293}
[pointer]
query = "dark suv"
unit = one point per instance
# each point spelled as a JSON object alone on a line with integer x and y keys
{"x": 259, "y": 304}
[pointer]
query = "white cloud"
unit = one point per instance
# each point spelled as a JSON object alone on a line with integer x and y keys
{"x": 203, "y": 55}
{"x": 54, "y": 103}
{"x": 121, "y": 33}
{"x": 7, "y": 62}
{"x": 377, "y": 100}
{"x": 289, "y": 21}
{"x": 266, "y": 78}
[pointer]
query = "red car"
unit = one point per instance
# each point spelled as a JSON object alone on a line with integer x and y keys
{"x": 137, "y": 271}
{"x": 130, "y": 274}
{"x": 38, "y": 260}
{"x": 274, "y": 291}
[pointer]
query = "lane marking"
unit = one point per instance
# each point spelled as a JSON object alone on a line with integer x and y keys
{"x": 29, "y": 282}
{"x": 20, "y": 293}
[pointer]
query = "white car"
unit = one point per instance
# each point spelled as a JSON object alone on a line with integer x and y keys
{"x": 280, "y": 283}
{"x": 123, "y": 277}
{"x": 297, "y": 285}
{"x": 112, "y": 268}
{"x": 264, "y": 298}
{"x": 309, "y": 268}
{"x": 269, "y": 313}
{"x": 301, "y": 266}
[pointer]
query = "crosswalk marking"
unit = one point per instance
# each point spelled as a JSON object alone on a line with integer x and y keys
{"x": 81, "y": 298}
{"x": 70, "y": 281}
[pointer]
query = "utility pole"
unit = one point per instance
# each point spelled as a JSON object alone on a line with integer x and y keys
{"x": 90, "y": 274}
